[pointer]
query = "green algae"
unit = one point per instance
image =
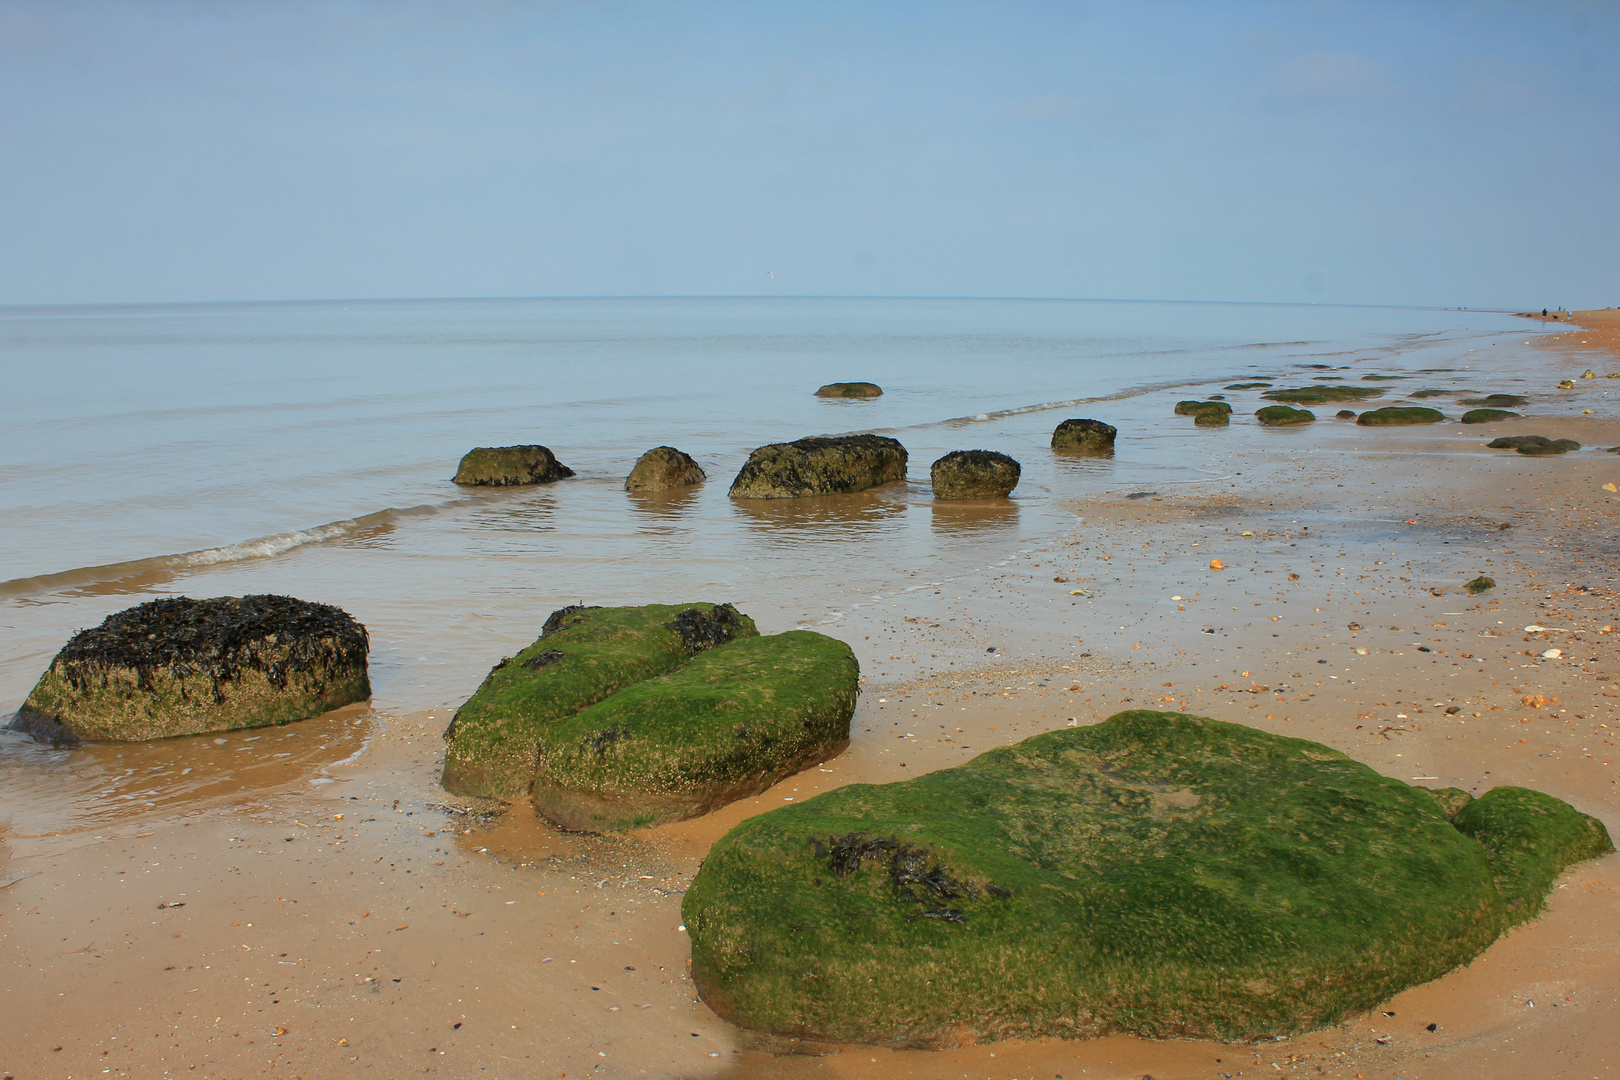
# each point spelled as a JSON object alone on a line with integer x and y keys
{"x": 1321, "y": 395}
{"x": 1486, "y": 416}
{"x": 1216, "y": 412}
{"x": 1533, "y": 445}
{"x": 729, "y": 724}
{"x": 1399, "y": 415}
{"x": 1481, "y": 584}
{"x": 1157, "y": 874}
{"x": 1246, "y": 386}
{"x": 1283, "y": 416}
{"x": 583, "y": 656}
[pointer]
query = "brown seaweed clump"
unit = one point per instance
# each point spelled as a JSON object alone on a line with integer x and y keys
{"x": 179, "y": 666}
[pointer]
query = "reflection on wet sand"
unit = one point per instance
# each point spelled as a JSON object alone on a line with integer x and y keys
{"x": 863, "y": 514}
{"x": 51, "y": 790}
{"x": 1092, "y": 465}
{"x": 672, "y": 503}
{"x": 976, "y": 515}
{"x": 529, "y": 511}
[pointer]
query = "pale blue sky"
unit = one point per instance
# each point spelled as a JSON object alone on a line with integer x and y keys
{"x": 1440, "y": 153}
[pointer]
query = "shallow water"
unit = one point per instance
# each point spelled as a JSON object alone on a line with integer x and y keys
{"x": 307, "y": 449}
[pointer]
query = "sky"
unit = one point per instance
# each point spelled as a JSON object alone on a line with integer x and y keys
{"x": 1443, "y": 154}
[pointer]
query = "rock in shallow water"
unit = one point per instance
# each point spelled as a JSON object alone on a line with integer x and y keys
{"x": 663, "y": 468}
{"x": 619, "y": 718}
{"x": 1400, "y": 415}
{"x": 1157, "y": 874}
{"x": 1282, "y": 416}
{"x": 179, "y": 666}
{"x": 974, "y": 474}
{"x": 510, "y": 466}
{"x": 1084, "y": 437}
{"x": 824, "y": 465}
{"x": 850, "y": 390}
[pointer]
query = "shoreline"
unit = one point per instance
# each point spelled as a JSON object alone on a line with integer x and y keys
{"x": 335, "y": 915}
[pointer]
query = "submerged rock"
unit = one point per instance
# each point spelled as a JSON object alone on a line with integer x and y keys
{"x": 662, "y": 468}
{"x": 1486, "y": 416}
{"x": 1321, "y": 395}
{"x": 510, "y": 466}
{"x": 974, "y": 474}
{"x": 1245, "y": 385}
{"x": 1084, "y": 437}
{"x": 1533, "y": 445}
{"x": 1157, "y": 874}
{"x": 179, "y": 666}
{"x": 820, "y": 466}
{"x": 619, "y": 718}
{"x": 1399, "y": 415}
{"x": 850, "y": 390}
{"x": 1282, "y": 416}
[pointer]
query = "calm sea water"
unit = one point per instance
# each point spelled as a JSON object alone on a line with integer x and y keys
{"x": 308, "y": 448}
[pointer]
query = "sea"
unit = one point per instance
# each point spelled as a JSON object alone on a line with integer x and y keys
{"x": 308, "y": 449}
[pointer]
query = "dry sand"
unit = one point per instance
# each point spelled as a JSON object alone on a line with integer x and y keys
{"x": 307, "y": 902}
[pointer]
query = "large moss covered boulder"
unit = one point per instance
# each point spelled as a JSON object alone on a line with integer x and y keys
{"x": 1080, "y": 436}
{"x": 850, "y": 390}
{"x": 618, "y": 718}
{"x": 822, "y": 465}
{"x": 664, "y": 468}
{"x": 1157, "y": 874}
{"x": 974, "y": 474}
{"x": 179, "y": 666}
{"x": 510, "y": 466}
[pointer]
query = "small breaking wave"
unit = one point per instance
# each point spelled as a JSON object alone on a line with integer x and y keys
{"x": 135, "y": 575}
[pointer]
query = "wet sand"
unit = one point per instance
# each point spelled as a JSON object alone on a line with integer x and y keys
{"x": 306, "y": 901}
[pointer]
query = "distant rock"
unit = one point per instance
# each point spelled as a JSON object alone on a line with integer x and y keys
{"x": 1486, "y": 416}
{"x": 510, "y": 466}
{"x": 662, "y": 468}
{"x": 850, "y": 390}
{"x": 974, "y": 474}
{"x": 1246, "y": 385}
{"x": 1321, "y": 395}
{"x": 179, "y": 666}
{"x": 1283, "y": 416}
{"x": 1084, "y": 437}
{"x": 1534, "y": 445}
{"x": 820, "y": 466}
{"x": 1399, "y": 415}
{"x": 1497, "y": 401}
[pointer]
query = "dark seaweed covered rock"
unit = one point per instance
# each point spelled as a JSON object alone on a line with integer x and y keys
{"x": 509, "y": 466}
{"x": 1246, "y": 385}
{"x": 179, "y": 666}
{"x": 850, "y": 390}
{"x": 663, "y": 468}
{"x": 1345, "y": 414}
{"x": 1486, "y": 416}
{"x": 1481, "y": 584}
{"x": 1497, "y": 401}
{"x": 1321, "y": 395}
{"x": 1084, "y": 437}
{"x": 1282, "y": 416}
{"x": 820, "y": 466}
{"x": 1157, "y": 874}
{"x": 617, "y": 718}
{"x": 1534, "y": 445}
{"x": 1399, "y": 415}
{"x": 974, "y": 474}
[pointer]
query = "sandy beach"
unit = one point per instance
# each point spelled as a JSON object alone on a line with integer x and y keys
{"x": 326, "y": 909}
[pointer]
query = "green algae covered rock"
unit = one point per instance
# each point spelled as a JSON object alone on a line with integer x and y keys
{"x": 622, "y": 717}
{"x": 1345, "y": 414}
{"x": 1245, "y": 385}
{"x": 510, "y": 466}
{"x": 833, "y": 465}
{"x": 1206, "y": 413}
{"x": 734, "y": 721}
{"x": 1497, "y": 401}
{"x": 663, "y": 468}
{"x": 1533, "y": 445}
{"x": 1399, "y": 415}
{"x": 1157, "y": 874}
{"x": 179, "y": 666}
{"x": 1481, "y": 584}
{"x": 974, "y": 474}
{"x": 1078, "y": 436}
{"x": 1321, "y": 395}
{"x": 850, "y": 390}
{"x": 1486, "y": 416}
{"x": 1282, "y": 416}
